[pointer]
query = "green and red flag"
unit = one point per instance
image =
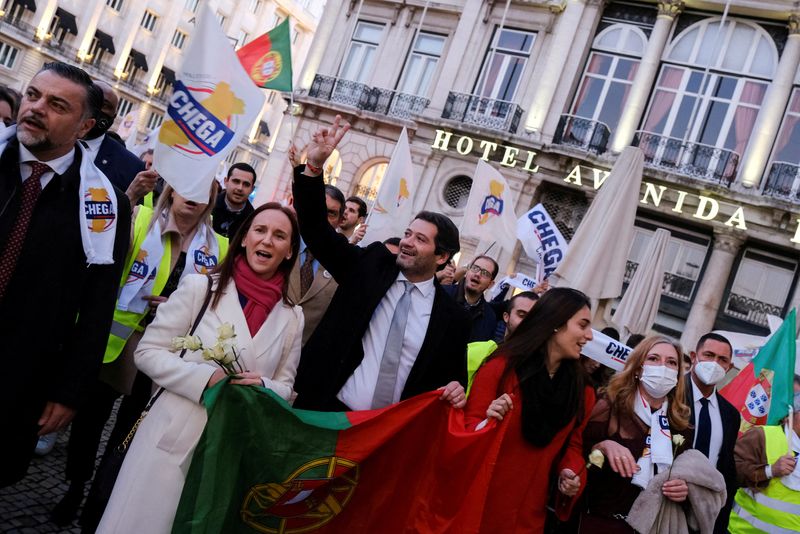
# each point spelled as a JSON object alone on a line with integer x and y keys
{"x": 763, "y": 390}
{"x": 268, "y": 59}
{"x": 261, "y": 466}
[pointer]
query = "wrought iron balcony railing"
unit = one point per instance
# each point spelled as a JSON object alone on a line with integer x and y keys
{"x": 484, "y": 112}
{"x": 358, "y": 95}
{"x": 783, "y": 181}
{"x": 586, "y": 134}
{"x": 674, "y": 285}
{"x": 697, "y": 160}
{"x": 750, "y": 310}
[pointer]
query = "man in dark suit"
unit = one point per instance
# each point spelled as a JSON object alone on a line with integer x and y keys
{"x": 468, "y": 293}
{"x": 390, "y": 331}
{"x": 55, "y": 307}
{"x": 118, "y": 163}
{"x": 715, "y": 420}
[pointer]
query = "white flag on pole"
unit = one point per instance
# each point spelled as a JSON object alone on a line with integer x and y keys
{"x": 127, "y": 126}
{"x": 518, "y": 281}
{"x": 542, "y": 240}
{"x": 214, "y": 102}
{"x": 392, "y": 211}
{"x": 607, "y": 351}
{"x": 489, "y": 214}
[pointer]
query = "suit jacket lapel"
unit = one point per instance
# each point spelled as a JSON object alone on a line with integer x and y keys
{"x": 319, "y": 283}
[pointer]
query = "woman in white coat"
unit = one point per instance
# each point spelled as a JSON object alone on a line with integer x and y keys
{"x": 251, "y": 294}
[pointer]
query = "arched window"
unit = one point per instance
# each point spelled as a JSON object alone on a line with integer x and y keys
{"x": 709, "y": 111}
{"x": 616, "y": 54}
{"x": 370, "y": 181}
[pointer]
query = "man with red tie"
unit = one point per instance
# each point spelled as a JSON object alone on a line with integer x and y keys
{"x": 64, "y": 231}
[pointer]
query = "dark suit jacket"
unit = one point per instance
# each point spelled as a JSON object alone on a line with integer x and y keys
{"x": 57, "y": 311}
{"x": 117, "y": 163}
{"x": 364, "y": 275}
{"x": 725, "y": 464}
{"x": 482, "y": 316}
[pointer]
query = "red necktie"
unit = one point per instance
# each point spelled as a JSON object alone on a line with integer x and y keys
{"x": 30, "y": 193}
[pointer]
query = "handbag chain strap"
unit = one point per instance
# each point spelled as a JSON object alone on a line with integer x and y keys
{"x": 125, "y": 442}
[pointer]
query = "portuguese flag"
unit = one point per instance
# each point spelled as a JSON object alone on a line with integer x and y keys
{"x": 261, "y": 466}
{"x": 268, "y": 59}
{"x": 763, "y": 390}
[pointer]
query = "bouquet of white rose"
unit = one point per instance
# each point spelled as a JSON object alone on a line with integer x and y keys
{"x": 224, "y": 352}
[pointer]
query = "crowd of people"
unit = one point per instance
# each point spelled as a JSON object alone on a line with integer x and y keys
{"x": 329, "y": 324}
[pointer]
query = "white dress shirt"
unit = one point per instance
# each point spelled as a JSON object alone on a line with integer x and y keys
{"x": 359, "y": 389}
{"x": 59, "y": 165}
{"x": 716, "y": 421}
{"x": 93, "y": 145}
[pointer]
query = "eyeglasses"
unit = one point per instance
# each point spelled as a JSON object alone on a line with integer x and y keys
{"x": 481, "y": 271}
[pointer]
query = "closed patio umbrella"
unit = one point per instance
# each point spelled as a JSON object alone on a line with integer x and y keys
{"x": 595, "y": 263}
{"x": 637, "y": 310}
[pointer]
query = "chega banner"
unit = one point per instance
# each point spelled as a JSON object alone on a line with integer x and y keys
{"x": 541, "y": 239}
{"x": 607, "y": 351}
{"x": 261, "y": 466}
{"x": 214, "y": 102}
{"x": 519, "y": 281}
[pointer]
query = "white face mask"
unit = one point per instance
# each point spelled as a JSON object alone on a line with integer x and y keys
{"x": 658, "y": 380}
{"x": 709, "y": 373}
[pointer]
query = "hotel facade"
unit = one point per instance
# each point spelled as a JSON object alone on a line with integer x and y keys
{"x": 551, "y": 91}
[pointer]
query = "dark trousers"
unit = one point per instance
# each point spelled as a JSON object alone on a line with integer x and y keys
{"x": 87, "y": 429}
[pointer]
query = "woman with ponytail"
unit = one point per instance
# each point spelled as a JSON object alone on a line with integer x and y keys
{"x": 535, "y": 385}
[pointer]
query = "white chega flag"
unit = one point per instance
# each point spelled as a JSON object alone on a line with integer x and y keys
{"x": 213, "y": 104}
{"x": 607, "y": 351}
{"x": 393, "y": 208}
{"x": 127, "y": 125}
{"x": 518, "y": 281}
{"x": 542, "y": 240}
{"x": 489, "y": 214}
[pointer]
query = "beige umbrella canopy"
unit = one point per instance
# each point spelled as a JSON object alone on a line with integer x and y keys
{"x": 595, "y": 263}
{"x": 637, "y": 310}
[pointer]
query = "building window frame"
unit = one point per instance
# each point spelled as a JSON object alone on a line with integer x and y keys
{"x": 8, "y": 55}
{"x": 116, "y": 5}
{"x": 424, "y": 61}
{"x": 513, "y": 63}
{"x": 149, "y": 20}
{"x": 179, "y": 38}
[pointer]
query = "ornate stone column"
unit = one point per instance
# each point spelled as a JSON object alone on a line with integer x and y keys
{"x": 568, "y": 20}
{"x": 769, "y": 117}
{"x": 668, "y": 11}
{"x": 706, "y": 304}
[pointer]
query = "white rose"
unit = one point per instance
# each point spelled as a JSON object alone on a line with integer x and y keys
{"x": 225, "y": 331}
{"x": 193, "y": 343}
{"x": 596, "y": 458}
{"x": 178, "y": 343}
{"x": 208, "y": 354}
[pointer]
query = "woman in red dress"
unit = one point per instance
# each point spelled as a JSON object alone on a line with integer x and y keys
{"x": 534, "y": 380}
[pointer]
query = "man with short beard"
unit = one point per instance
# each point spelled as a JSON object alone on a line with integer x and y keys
{"x": 390, "y": 331}
{"x": 60, "y": 271}
{"x": 468, "y": 293}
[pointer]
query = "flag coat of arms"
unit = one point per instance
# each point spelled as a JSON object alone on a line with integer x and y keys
{"x": 393, "y": 208}
{"x": 763, "y": 390}
{"x": 261, "y": 466}
{"x": 489, "y": 214}
{"x": 268, "y": 59}
{"x": 213, "y": 104}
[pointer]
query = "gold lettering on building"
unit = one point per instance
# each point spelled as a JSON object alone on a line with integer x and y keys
{"x": 442, "y": 140}
{"x": 678, "y": 208}
{"x": 510, "y": 157}
{"x": 599, "y": 177}
{"x": 737, "y": 219}
{"x": 706, "y": 202}
{"x": 650, "y": 192}
{"x": 575, "y": 176}
{"x": 465, "y": 144}
{"x": 487, "y": 146}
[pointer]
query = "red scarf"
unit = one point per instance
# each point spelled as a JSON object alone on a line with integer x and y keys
{"x": 261, "y": 295}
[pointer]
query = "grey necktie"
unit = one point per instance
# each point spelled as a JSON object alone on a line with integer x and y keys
{"x": 390, "y": 362}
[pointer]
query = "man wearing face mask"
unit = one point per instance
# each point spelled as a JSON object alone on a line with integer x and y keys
{"x": 715, "y": 420}
{"x": 766, "y": 462}
{"x": 116, "y": 162}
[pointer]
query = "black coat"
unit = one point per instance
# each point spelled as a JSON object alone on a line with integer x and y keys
{"x": 57, "y": 311}
{"x": 725, "y": 463}
{"x": 364, "y": 276}
{"x": 118, "y": 163}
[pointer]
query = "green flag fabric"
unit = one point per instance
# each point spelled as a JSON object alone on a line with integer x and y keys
{"x": 778, "y": 355}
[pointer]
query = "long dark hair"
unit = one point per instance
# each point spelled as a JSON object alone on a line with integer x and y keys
{"x": 235, "y": 249}
{"x": 545, "y": 412}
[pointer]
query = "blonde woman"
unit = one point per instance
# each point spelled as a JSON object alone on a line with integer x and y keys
{"x": 632, "y": 424}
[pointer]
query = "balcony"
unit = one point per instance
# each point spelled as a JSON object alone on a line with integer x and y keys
{"x": 783, "y": 181}
{"x": 585, "y": 134}
{"x": 674, "y": 285}
{"x": 750, "y": 310}
{"x": 361, "y": 96}
{"x": 483, "y": 112}
{"x": 705, "y": 162}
